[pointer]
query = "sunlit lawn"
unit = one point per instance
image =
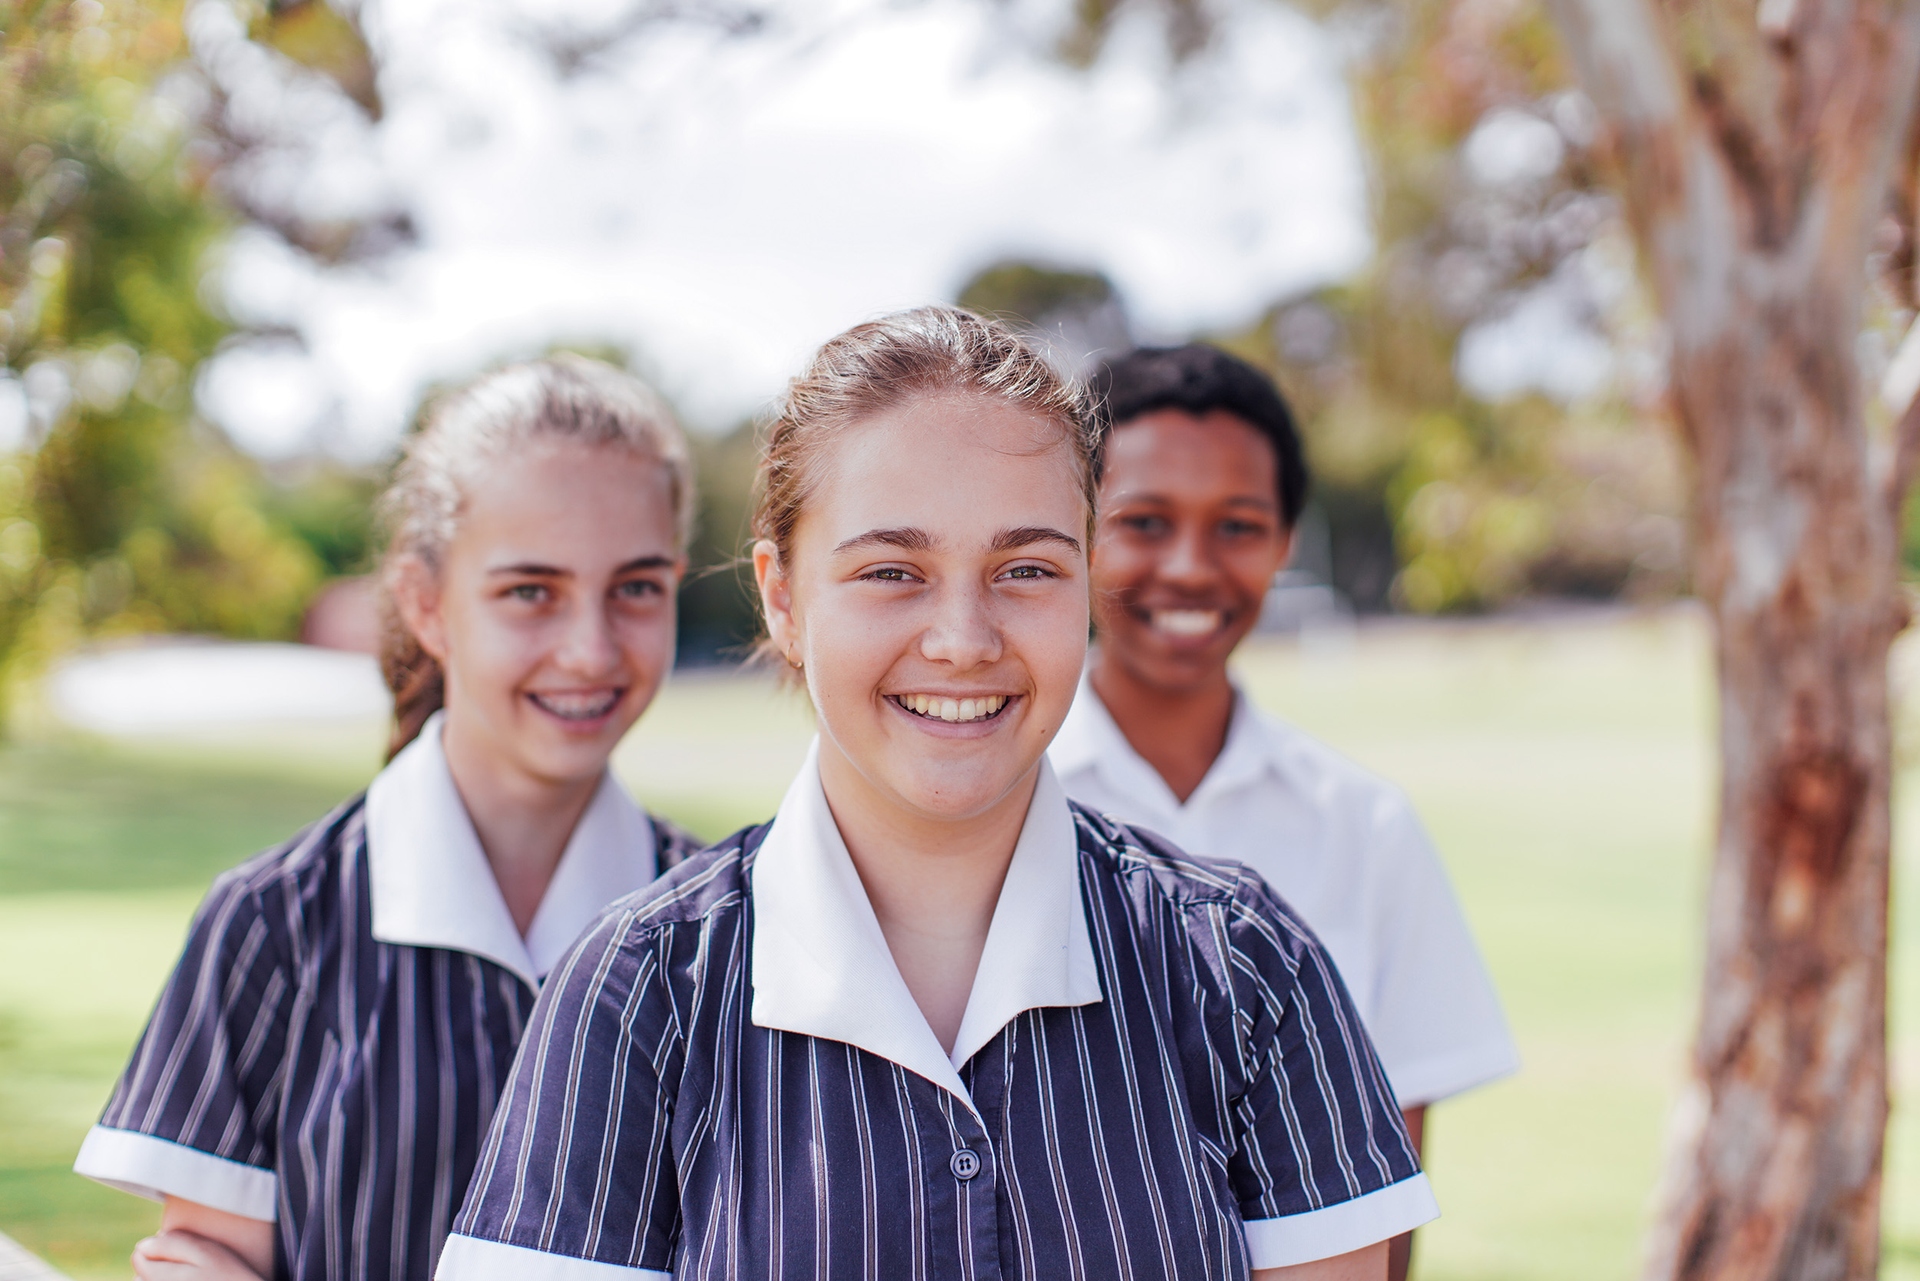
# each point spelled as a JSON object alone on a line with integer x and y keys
{"x": 1564, "y": 768}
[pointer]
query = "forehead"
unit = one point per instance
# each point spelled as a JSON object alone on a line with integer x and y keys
{"x": 561, "y": 493}
{"x": 963, "y": 467}
{"x": 1176, "y": 452}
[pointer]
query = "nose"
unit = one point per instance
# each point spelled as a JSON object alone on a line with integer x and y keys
{"x": 589, "y": 648}
{"x": 963, "y": 633}
{"x": 1188, "y": 561}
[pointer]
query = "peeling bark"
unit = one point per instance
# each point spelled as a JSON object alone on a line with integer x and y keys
{"x": 1754, "y": 149}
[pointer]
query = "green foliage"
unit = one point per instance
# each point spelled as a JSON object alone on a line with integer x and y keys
{"x": 1031, "y": 292}
{"x": 719, "y": 611}
{"x": 124, "y": 514}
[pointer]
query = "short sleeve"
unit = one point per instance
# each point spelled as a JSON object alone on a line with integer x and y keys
{"x": 1436, "y": 1017}
{"x": 1322, "y": 1164}
{"x": 577, "y": 1179}
{"x": 192, "y": 1116}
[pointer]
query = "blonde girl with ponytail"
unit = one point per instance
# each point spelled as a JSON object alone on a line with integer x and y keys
{"x": 309, "y": 1098}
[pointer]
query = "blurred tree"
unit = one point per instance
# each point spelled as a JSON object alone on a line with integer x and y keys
{"x": 1487, "y": 213}
{"x": 1439, "y": 492}
{"x": 119, "y": 510}
{"x": 1758, "y": 150}
{"x": 1077, "y": 314}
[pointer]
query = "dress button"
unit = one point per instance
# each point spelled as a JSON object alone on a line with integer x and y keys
{"x": 965, "y": 1164}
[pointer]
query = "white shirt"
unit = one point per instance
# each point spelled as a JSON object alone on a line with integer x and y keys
{"x": 1346, "y": 851}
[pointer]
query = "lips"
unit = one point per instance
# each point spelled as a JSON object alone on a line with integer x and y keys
{"x": 586, "y": 705}
{"x": 954, "y": 711}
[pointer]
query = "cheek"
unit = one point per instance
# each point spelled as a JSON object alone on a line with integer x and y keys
{"x": 1252, "y": 566}
{"x": 486, "y": 650}
{"x": 1119, "y": 562}
{"x": 648, "y": 638}
{"x": 1053, "y": 641}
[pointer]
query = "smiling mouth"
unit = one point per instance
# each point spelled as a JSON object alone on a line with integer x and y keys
{"x": 1187, "y": 624}
{"x": 578, "y": 707}
{"x": 954, "y": 711}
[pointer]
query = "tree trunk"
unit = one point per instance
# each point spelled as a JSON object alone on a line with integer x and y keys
{"x": 1754, "y": 151}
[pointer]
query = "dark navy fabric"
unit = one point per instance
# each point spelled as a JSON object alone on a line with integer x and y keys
{"x": 1223, "y": 1078}
{"x": 362, "y": 1074}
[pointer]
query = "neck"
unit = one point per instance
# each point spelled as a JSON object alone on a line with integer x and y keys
{"x": 523, "y": 822}
{"x": 1178, "y": 732}
{"x": 934, "y": 883}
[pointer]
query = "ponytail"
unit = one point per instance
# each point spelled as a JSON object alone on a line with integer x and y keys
{"x": 414, "y": 678}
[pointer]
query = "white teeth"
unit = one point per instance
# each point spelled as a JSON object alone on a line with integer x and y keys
{"x": 1187, "y": 622}
{"x": 579, "y": 707}
{"x": 953, "y": 710}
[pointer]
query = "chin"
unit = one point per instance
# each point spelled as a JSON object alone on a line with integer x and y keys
{"x": 568, "y": 761}
{"x": 940, "y": 795}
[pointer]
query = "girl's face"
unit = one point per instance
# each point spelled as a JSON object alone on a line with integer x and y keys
{"x": 553, "y": 612}
{"x": 936, "y": 598}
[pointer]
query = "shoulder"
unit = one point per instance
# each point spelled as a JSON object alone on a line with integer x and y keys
{"x": 1332, "y": 783}
{"x": 656, "y": 950}
{"x": 703, "y": 892}
{"x": 1215, "y": 902}
{"x": 293, "y": 886}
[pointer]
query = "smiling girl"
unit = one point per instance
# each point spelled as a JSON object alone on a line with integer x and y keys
{"x": 309, "y": 1097}
{"x": 934, "y": 1020}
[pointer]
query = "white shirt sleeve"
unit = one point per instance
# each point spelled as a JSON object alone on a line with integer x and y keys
{"x": 1434, "y": 1014}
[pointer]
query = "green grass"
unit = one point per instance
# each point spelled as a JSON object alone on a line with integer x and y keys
{"x": 1565, "y": 770}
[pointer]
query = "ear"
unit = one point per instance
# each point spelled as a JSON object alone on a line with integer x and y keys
{"x": 776, "y": 597}
{"x": 1287, "y": 544}
{"x": 416, "y": 596}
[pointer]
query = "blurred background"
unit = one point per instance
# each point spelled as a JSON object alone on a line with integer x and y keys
{"x": 241, "y": 241}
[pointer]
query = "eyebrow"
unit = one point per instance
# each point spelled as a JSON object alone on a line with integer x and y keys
{"x": 1027, "y": 535}
{"x": 531, "y": 569}
{"x": 1149, "y": 496}
{"x": 906, "y": 538}
{"x": 909, "y": 538}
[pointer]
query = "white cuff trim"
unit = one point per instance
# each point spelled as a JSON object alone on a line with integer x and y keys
{"x": 1343, "y": 1228}
{"x": 472, "y": 1259}
{"x": 157, "y": 1168}
{"x": 1433, "y": 1079}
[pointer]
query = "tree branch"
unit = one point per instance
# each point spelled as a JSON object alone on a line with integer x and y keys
{"x": 1628, "y": 69}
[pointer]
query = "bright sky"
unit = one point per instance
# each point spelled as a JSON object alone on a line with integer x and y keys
{"x": 720, "y": 204}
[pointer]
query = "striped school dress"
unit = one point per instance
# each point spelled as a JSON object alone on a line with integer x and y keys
{"x": 331, "y": 1047}
{"x": 1159, "y": 1074}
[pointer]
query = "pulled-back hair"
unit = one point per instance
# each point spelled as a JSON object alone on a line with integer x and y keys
{"x": 557, "y": 398}
{"x": 1198, "y": 378}
{"x": 882, "y": 364}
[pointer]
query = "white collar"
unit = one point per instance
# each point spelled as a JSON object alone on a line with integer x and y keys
{"x": 1091, "y": 739}
{"x": 821, "y": 966}
{"x": 432, "y": 886}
